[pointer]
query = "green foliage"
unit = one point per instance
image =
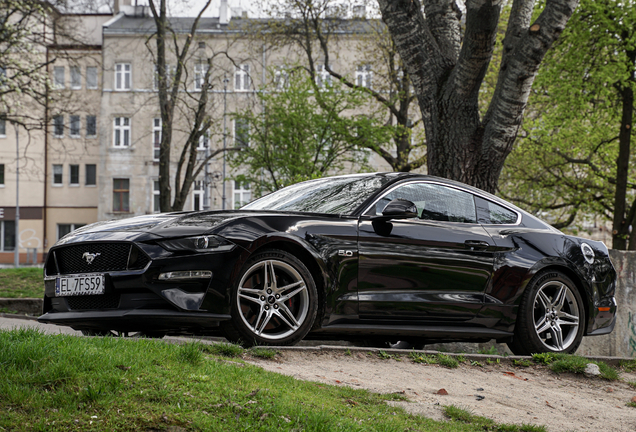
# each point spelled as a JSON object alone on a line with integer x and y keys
{"x": 628, "y": 365}
{"x": 522, "y": 363}
{"x": 441, "y": 359}
{"x": 302, "y": 132}
{"x": 224, "y": 349}
{"x": 560, "y": 363}
{"x": 383, "y": 355}
{"x": 191, "y": 353}
{"x": 458, "y": 414}
{"x": 489, "y": 351}
{"x": 564, "y": 163}
{"x": 264, "y": 353}
{"x": 25, "y": 282}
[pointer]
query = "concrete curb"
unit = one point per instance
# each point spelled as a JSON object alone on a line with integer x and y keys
{"x": 29, "y": 306}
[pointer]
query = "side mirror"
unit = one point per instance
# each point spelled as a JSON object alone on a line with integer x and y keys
{"x": 399, "y": 209}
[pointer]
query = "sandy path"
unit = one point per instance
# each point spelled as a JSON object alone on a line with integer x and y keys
{"x": 535, "y": 395}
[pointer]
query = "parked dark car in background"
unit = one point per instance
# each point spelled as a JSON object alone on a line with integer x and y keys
{"x": 367, "y": 257}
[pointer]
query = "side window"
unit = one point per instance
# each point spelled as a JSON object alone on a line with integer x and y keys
{"x": 493, "y": 214}
{"x": 434, "y": 202}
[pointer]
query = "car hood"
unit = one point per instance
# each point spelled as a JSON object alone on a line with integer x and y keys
{"x": 163, "y": 225}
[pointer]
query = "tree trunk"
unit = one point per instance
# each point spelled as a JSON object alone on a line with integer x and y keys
{"x": 621, "y": 222}
{"x": 446, "y": 77}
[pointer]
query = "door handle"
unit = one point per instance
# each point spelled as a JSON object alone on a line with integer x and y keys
{"x": 476, "y": 244}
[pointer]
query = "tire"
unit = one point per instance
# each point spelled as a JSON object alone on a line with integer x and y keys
{"x": 551, "y": 316}
{"x": 113, "y": 333}
{"x": 278, "y": 310}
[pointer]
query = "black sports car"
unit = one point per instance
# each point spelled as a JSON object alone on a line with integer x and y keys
{"x": 374, "y": 257}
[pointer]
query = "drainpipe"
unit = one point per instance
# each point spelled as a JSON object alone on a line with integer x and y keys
{"x": 46, "y": 159}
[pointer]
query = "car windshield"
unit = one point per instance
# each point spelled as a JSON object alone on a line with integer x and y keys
{"x": 332, "y": 195}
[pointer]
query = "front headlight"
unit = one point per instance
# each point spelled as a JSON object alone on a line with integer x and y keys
{"x": 205, "y": 243}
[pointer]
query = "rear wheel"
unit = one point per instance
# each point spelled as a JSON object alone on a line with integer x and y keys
{"x": 551, "y": 316}
{"x": 274, "y": 302}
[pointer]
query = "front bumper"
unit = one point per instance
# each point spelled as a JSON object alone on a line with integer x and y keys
{"x": 155, "y": 320}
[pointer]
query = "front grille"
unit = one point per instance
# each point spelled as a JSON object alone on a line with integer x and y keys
{"x": 107, "y": 257}
{"x": 104, "y": 301}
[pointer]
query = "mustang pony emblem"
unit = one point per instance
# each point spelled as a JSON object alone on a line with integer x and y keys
{"x": 89, "y": 257}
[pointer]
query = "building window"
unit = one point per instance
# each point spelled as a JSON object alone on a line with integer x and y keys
{"x": 58, "y": 175}
{"x": 122, "y": 76}
{"x": 242, "y": 194}
{"x": 363, "y": 75}
{"x": 63, "y": 229}
{"x": 7, "y": 236}
{"x": 242, "y": 77}
{"x": 73, "y": 175}
{"x": 121, "y": 135}
{"x": 197, "y": 195}
{"x": 121, "y": 195}
{"x": 281, "y": 78}
{"x": 1, "y": 174}
{"x": 76, "y": 78}
{"x": 241, "y": 133}
{"x": 91, "y": 174}
{"x": 204, "y": 141}
{"x": 200, "y": 70}
{"x": 171, "y": 72}
{"x": 323, "y": 78}
{"x": 3, "y": 128}
{"x": 58, "y": 126}
{"x": 156, "y": 195}
{"x": 156, "y": 138}
{"x": 91, "y": 126}
{"x": 58, "y": 77}
{"x": 91, "y": 77}
{"x": 74, "y": 129}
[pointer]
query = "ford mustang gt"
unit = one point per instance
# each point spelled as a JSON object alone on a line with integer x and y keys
{"x": 376, "y": 257}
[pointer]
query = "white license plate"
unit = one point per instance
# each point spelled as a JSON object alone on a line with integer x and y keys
{"x": 79, "y": 285}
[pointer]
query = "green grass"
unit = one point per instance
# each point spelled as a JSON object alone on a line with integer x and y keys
{"x": 628, "y": 365}
{"x": 24, "y": 282}
{"x": 522, "y": 363}
{"x": 441, "y": 359}
{"x": 224, "y": 349}
{"x": 264, "y": 353}
{"x": 462, "y": 415}
{"x": 561, "y": 363}
{"x": 61, "y": 382}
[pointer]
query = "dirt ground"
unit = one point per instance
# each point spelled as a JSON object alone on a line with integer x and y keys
{"x": 502, "y": 392}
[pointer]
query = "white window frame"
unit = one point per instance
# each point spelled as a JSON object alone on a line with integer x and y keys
{"x": 87, "y": 134}
{"x": 281, "y": 78}
{"x": 124, "y": 132}
{"x": 171, "y": 71}
{"x": 56, "y": 77}
{"x": 78, "y": 129}
{"x": 323, "y": 77}
{"x": 364, "y": 75}
{"x": 60, "y": 171}
{"x": 3, "y": 235}
{"x": 156, "y": 138}
{"x": 197, "y": 192}
{"x": 91, "y": 87}
{"x": 200, "y": 69}
{"x": 204, "y": 141}
{"x": 156, "y": 194}
{"x": 70, "y": 175}
{"x": 76, "y": 77}
{"x": 55, "y": 134}
{"x": 242, "y": 81}
{"x": 123, "y": 76}
{"x": 234, "y": 134}
{"x": 244, "y": 194}
{"x": 86, "y": 183}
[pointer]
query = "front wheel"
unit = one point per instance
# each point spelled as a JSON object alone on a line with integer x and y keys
{"x": 551, "y": 316}
{"x": 274, "y": 302}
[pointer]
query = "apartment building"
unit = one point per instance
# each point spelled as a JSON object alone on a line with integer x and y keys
{"x": 97, "y": 158}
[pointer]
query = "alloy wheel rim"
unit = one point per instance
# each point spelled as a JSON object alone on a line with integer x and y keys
{"x": 273, "y": 299}
{"x": 556, "y": 316}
